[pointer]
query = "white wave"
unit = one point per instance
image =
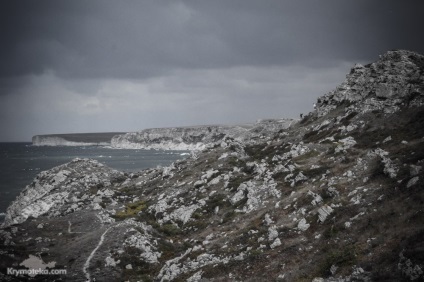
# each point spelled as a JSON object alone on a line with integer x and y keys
{"x": 2, "y": 214}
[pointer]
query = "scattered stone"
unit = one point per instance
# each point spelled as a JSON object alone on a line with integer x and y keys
{"x": 412, "y": 182}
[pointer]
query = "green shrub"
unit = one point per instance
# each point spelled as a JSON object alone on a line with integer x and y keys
{"x": 131, "y": 209}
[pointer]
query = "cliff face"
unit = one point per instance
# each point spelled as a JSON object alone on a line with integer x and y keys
{"x": 337, "y": 196}
{"x": 197, "y": 137}
{"x": 77, "y": 139}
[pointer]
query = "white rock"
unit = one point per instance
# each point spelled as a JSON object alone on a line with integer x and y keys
{"x": 276, "y": 243}
{"x": 195, "y": 277}
{"x": 345, "y": 144}
{"x": 268, "y": 219}
{"x": 387, "y": 139}
{"x": 324, "y": 212}
{"x": 223, "y": 156}
{"x": 303, "y": 225}
{"x": 111, "y": 262}
{"x": 316, "y": 198}
{"x": 215, "y": 180}
{"x": 272, "y": 233}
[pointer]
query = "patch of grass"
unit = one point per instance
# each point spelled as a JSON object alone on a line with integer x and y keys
{"x": 170, "y": 229}
{"x": 228, "y": 216}
{"x": 93, "y": 189}
{"x": 331, "y": 151}
{"x": 215, "y": 200}
{"x": 128, "y": 190}
{"x": 281, "y": 175}
{"x": 201, "y": 218}
{"x": 196, "y": 225}
{"x": 369, "y": 138}
{"x": 170, "y": 250}
{"x": 405, "y": 125}
{"x": 303, "y": 158}
{"x": 315, "y": 171}
{"x": 211, "y": 271}
{"x": 378, "y": 175}
{"x": 345, "y": 121}
{"x": 345, "y": 256}
{"x": 233, "y": 161}
{"x": 332, "y": 231}
{"x": 315, "y": 136}
{"x": 197, "y": 215}
{"x": 131, "y": 210}
{"x": 119, "y": 179}
{"x": 259, "y": 152}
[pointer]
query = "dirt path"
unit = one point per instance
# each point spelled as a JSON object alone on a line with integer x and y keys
{"x": 87, "y": 262}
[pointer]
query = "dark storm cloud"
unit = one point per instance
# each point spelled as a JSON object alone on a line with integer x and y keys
{"x": 139, "y": 39}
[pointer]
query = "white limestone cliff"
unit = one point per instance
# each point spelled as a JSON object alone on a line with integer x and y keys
{"x": 197, "y": 138}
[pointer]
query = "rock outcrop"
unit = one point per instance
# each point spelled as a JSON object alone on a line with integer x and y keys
{"x": 62, "y": 190}
{"x": 335, "y": 197}
{"x": 395, "y": 80}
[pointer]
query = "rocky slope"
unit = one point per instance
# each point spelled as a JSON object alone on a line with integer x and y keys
{"x": 198, "y": 137}
{"x": 337, "y": 196}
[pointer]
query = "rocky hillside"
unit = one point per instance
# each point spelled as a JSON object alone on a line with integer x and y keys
{"x": 198, "y": 137}
{"x": 337, "y": 196}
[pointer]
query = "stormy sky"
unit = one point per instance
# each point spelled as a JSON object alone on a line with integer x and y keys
{"x": 97, "y": 66}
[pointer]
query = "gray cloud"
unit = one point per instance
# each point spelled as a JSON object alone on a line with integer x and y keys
{"x": 127, "y": 65}
{"x": 146, "y": 38}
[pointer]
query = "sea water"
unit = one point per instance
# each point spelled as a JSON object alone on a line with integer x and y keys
{"x": 21, "y": 162}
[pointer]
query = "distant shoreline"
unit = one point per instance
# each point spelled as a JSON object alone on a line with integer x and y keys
{"x": 75, "y": 139}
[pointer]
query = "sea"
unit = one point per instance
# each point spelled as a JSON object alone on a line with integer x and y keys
{"x": 21, "y": 162}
